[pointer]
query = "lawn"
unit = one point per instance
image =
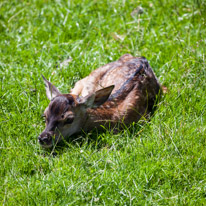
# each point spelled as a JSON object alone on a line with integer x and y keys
{"x": 161, "y": 162}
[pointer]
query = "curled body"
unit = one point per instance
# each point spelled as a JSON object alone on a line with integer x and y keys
{"x": 120, "y": 92}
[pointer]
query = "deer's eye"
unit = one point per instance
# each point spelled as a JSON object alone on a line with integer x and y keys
{"x": 69, "y": 120}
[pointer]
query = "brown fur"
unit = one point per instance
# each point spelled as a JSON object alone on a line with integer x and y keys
{"x": 94, "y": 102}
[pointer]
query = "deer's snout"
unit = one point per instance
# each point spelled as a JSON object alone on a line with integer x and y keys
{"x": 45, "y": 139}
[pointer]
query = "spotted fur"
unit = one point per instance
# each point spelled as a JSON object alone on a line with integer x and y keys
{"x": 118, "y": 93}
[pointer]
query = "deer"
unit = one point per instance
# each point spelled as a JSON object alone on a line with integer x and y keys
{"x": 116, "y": 94}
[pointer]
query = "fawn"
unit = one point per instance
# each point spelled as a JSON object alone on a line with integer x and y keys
{"x": 117, "y": 93}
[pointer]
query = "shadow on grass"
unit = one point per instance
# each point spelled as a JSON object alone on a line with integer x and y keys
{"x": 97, "y": 139}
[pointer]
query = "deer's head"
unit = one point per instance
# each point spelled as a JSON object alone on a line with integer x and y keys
{"x": 67, "y": 113}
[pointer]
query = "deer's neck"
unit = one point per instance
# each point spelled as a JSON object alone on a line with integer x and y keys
{"x": 104, "y": 115}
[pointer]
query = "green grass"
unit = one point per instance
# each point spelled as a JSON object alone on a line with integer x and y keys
{"x": 162, "y": 162}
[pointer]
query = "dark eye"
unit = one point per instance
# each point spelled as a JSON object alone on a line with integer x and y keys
{"x": 69, "y": 120}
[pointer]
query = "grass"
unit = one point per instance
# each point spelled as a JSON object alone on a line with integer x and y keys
{"x": 162, "y": 162}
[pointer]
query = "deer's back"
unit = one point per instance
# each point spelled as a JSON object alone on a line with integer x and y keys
{"x": 126, "y": 74}
{"x": 135, "y": 91}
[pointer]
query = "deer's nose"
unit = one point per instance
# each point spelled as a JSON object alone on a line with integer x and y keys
{"x": 40, "y": 140}
{"x": 44, "y": 138}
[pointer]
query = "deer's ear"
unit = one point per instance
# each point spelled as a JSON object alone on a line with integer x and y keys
{"x": 98, "y": 98}
{"x": 51, "y": 90}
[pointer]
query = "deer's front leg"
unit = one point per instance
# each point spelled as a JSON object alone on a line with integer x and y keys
{"x": 85, "y": 86}
{"x": 77, "y": 90}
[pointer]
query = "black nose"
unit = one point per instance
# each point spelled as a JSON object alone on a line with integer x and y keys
{"x": 44, "y": 139}
{"x": 40, "y": 139}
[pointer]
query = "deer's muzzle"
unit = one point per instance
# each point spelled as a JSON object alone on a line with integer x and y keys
{"x": 45, "y": 139}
